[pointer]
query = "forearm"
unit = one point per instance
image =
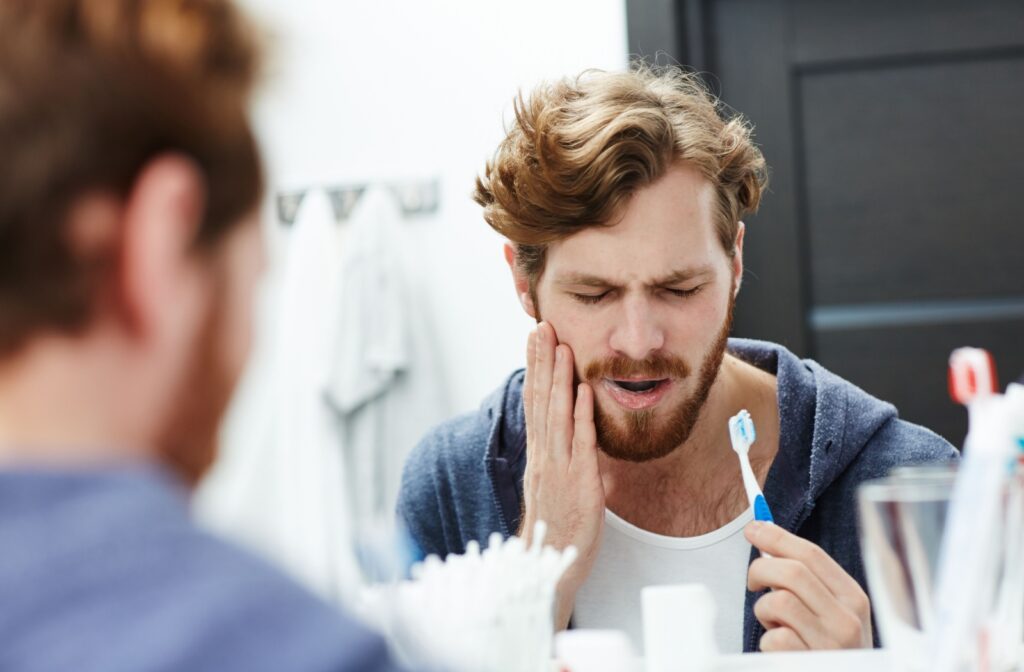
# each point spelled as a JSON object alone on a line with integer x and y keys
{"x": 564, "y": 602}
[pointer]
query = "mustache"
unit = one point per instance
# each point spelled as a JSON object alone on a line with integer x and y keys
{"x": 655, "y": 365}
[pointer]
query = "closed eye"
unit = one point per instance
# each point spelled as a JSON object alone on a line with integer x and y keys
{"x": 684, "y": 293}
{"x": 589, "y": 298}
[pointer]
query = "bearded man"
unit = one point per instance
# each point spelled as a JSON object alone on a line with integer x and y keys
{"x": 621, "y": 197}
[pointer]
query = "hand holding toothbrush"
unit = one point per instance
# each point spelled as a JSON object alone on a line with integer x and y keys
{"x": 562, "y": 485}
{"x": 813, "y": 603}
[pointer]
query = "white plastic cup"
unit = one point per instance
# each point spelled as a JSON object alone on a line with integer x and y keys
{"x": 679, "y": 623}
{"x": 595, "y": 651}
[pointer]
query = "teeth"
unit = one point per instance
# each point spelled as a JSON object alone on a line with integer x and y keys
{"x": 638, "y": 385}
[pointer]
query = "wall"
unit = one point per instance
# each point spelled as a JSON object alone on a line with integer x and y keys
{"x": 388, "y": 90}
{"x": 367, "y": 93}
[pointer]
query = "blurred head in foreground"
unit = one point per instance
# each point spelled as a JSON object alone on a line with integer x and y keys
{"x": 129, "y": 245}
{"x": 129, "y": 254}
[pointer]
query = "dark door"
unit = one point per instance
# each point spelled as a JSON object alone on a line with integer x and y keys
{"x": 894, "y": 130}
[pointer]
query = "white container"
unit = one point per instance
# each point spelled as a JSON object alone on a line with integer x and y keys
{"x": 679, "y": 623}
{"x": 595, "y": 651}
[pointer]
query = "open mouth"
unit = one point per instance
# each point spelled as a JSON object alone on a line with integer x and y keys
{"x": 638, "y": 386}
{"x": 638, "y": 394}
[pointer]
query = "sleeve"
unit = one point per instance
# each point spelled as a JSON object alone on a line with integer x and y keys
{"x": 420, "y": 508}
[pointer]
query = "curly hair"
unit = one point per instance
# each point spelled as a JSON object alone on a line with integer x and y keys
{"x": 580, "y": 147}
{"x": 90, "y": 91}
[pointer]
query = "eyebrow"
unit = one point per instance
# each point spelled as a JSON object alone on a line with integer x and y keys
{"x": 675, "y": 277}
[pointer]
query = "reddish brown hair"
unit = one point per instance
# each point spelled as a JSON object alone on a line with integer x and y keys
{"x": 90, "y": 91}
{"x": 579, "y": 148}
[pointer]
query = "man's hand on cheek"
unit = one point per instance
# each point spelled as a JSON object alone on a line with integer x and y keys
{"x": 813, "y": 603}
{"x": 563, "y": 484}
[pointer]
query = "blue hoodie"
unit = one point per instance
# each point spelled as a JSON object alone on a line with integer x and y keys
{"x": 465, "y": 479}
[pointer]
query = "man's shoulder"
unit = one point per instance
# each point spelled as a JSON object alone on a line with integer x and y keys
{"x": 873, "y": 430}
{"x": 220, "y": 603}
{"x": 899, "y": 443}
{"x": 465, "y": 440}
{"x": 177, "y": 597}
{"x": 247, "y": 611}
{"x": 455, "y": 480}
{"x": 847, "y": 432}
{"x": 463, "y": 437}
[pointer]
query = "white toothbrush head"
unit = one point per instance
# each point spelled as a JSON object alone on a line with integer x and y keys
{"x": 741, "y": 432}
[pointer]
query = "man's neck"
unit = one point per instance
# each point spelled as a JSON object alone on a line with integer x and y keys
{"x": 698, "y": 488}
{"x": 59, "y": 407}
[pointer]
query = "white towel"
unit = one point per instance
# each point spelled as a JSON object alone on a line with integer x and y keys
{"x": 345, "y": 380}
{"x": 386, "y": 381}
{"x": 278, "y": 486}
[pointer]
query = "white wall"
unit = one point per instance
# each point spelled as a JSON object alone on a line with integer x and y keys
{"x": 387, "y": 90}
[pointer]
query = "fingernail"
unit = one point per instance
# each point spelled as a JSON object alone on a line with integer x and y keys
{"x": 540, "y": 334}
{"x": 755, "y": 526}
{"x": 558, "y": 355}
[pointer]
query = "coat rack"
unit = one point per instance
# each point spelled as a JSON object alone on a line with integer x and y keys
{"x": 415, "y": 199}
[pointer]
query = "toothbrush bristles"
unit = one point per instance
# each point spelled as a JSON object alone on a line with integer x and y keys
{"x": 741, "y": 431}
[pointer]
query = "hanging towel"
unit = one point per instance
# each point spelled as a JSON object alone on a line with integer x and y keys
{"x": 279, "y": 484}
{"x": 345, "y": 380}
{"x": 385, "y": 382}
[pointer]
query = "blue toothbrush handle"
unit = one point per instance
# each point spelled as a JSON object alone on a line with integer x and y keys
{"x": 761, "y": 510}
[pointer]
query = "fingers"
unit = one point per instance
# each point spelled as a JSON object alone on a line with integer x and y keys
{"x": 805, "y": 583}
{"x": 782, "y": 639}
{"x": 792, "y": 575}
{"x": 531, "y": 354}
{"x": 584, "y": 437}
{"x": 530, "y": 477}
{"x": 783, "y": 609}
{"x": 543, "y": 370}
{"x": 550, "y": 397}
{"x": 782, "y": 544}
{"x": 560, "y": 412}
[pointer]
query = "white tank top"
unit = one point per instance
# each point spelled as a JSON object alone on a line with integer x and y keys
{"x": 631, "y": 558}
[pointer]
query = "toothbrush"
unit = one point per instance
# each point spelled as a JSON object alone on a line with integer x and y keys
{"x": 1009, "y": 613}
{"x": 742, "y": 434}
{"x": 968, "y": 549}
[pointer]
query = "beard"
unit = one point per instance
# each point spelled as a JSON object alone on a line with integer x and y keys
{"x": 651, "y": 434}
{"x": 188, "y": 443}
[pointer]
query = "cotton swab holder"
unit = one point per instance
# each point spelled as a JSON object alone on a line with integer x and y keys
{"x": 484, "y": 611}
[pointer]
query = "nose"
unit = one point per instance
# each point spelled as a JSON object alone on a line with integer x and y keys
{"x": 638, "y": 332}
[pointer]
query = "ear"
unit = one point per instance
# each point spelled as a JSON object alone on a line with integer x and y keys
{"x": 521, "y": 282}
{"x": 737, "y": 258}
{"x": 161, "y": 218}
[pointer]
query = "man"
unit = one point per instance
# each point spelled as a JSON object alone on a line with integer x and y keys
{"x": 129, "y": 250}
{"x": 621, "y": 196}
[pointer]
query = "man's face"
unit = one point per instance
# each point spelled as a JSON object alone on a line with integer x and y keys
{"x": 646, "y": 306}
{"x": 189, "y": 441}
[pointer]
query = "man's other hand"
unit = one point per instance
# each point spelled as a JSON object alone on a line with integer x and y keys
{"x": 813, "y": 603}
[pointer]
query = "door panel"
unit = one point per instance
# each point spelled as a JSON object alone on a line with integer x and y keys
{"x": 892, "y": 230}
